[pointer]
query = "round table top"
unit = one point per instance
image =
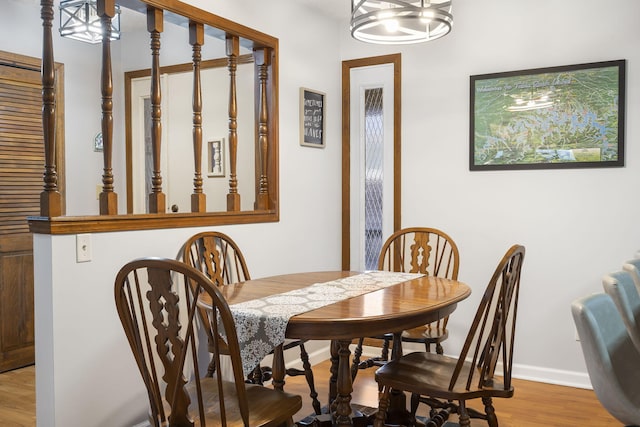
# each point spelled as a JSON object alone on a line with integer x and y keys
{"x": 395, "y": 308}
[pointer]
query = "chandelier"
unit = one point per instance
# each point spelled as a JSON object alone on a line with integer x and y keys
{"x": 400, "y": 21}
{"x": 79, "y": 20}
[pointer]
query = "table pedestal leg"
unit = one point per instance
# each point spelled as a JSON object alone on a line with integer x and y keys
{"x": 344, "y": 386}
{"x": 397, "y": 413}
{"x": 278, "y": 371}
{"x": 333, "y": 380}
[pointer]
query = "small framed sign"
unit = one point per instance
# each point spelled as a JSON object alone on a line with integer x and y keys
{"x": 312, "y": 118}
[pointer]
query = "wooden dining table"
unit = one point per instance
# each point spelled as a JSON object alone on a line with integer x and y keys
{"x": 392, "y": 309}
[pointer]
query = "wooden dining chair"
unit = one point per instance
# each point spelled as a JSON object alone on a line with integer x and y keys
{"x": 446, "y": 383}
{"x": 156, "y": 302}
{"x": 416, "y": 250}
{"x": 218, "y": 257}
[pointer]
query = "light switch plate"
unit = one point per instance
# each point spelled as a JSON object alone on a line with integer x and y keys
{"x": 83, "y": 247}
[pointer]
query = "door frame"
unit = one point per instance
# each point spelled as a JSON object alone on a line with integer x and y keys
{"x": 140, "y": 89}
{"x": 347, "y": 65}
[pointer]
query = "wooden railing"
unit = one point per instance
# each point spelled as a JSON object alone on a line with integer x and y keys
{"x": 50, "y": 198}
{"x": 108, "y": 198}
{"x": 265, "y": 58}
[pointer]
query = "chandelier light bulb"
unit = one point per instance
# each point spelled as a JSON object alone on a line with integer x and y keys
{"x": 427, "y": 16}
{"x": 391, "y": 25}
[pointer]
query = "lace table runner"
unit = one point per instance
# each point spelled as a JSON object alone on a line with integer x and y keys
{"x": 261, "y": 323}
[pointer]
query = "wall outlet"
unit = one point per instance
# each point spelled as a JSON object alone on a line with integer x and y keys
{"x": 83, "y": 247}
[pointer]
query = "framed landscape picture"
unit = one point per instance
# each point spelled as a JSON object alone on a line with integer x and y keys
{"x": 560, "y": 117}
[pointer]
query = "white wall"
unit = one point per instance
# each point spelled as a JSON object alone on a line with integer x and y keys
{"x": 577, "y": 225}
{"x": 573, "y": 232}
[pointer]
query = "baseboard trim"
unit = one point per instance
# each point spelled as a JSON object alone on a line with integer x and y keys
{"x": 552, "y": 376}
{"x": 318, "y": 351}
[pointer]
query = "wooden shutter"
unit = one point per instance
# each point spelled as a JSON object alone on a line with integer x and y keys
{"x": 21, "y": 148}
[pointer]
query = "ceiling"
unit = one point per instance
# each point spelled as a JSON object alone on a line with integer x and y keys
{"x": 338, "y": 9}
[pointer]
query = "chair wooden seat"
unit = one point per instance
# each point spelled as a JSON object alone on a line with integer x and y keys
{"x": 423, "y": 333}
{"x": 446, "y": 383}
{"x": 261, "y": 402}
{"x": 430, "y": 374}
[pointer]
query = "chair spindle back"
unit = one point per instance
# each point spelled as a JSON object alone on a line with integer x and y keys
{"x": 491, "y": 336}
{"x": 217, "y": 256}
{"x": 156, "y": 301}
{"x": 420, "y": 250}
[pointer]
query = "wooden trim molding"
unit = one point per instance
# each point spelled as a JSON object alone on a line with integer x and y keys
{"x": 394, "y": 59}
{"x": 111, "y": 223}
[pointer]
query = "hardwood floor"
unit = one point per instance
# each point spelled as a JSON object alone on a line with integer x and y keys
{"x": 18, "y": 397}
{"x": 534, "y": 404}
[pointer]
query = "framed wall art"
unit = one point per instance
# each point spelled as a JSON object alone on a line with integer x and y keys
{"x": 312, "y": 118}
{"x": 98, "y": 144}
{"x": 560, "y": 117}
{"x": 216, "y": 158}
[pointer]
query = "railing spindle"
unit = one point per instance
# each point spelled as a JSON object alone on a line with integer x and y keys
{"x": 196, "y": 38}
{"x": 157, "y": 199}
{"x": 263, "y": 61}
{"x": 50, "y": 198}
{"x": 233, "y": 50}
{"x": 108, "y": 198}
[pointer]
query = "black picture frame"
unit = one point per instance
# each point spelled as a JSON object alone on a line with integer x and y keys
{"x": 312, "y": 118}
{"x": 548, "y": 118}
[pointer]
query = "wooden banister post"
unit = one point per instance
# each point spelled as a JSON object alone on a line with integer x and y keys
{"x": 233, "y": 50}
{"x": 157, "y": 199}
{"x": 108, "y": 198}
{"x": 262, "y": 59}
{"x": 196, "y": 39}
{"x": 50, "y": 198}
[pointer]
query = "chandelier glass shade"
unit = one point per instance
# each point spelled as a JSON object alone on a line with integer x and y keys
{"x": 400, "y": 21}
{"x": 79, "y": 20}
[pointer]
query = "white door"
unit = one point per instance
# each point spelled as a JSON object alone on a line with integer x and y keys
{"x": 372, "y": 164}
